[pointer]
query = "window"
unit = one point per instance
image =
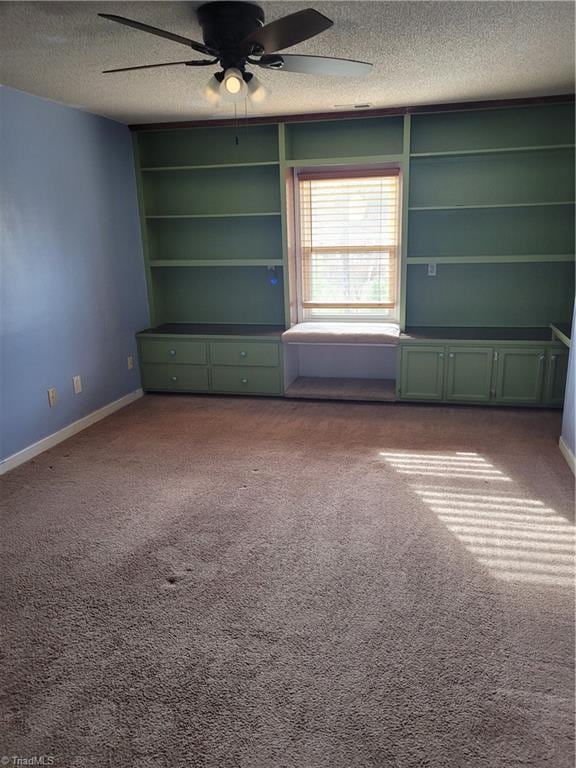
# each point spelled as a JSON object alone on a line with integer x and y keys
{"x": 348, "y": 244}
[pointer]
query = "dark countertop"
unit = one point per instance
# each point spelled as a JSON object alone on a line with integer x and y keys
{"x": 477, "y": 334}
{"x": 215, "y": 329}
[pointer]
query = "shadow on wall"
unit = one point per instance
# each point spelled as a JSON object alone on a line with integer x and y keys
{"x": 518, "y": 539}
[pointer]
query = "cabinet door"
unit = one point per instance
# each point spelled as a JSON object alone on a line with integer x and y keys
{"x": 520, "y": 375}
{"x": 556, "y": 371}
{"x": 422, "y": 373}
{"x": 469, "y": 374}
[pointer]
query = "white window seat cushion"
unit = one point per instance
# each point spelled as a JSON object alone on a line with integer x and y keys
{"x": 342, "y": 333}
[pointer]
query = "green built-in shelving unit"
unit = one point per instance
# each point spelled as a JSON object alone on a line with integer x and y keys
{"x": 491, "y": 203}
{"x": 488, "y": 198}
{"x": 212, "y": 222}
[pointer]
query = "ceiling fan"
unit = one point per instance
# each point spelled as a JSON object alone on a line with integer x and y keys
{"x": 235, "y": 37}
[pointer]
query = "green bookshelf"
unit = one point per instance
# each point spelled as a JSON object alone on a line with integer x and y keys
{"x": 488, "y": 197}
{"x": 212, "y": 223}
{"x": 347, "y": 141}
{"x": 511, "y": 128}
{"x": 208, "y": 147}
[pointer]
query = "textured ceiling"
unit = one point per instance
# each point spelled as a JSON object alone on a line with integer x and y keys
{"x": 423, "y": 52}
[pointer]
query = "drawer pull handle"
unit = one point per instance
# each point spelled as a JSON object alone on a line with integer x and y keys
{"x": 174, "y": 378}
{"x": 451, "y": 355}
{"x": 243, "y": 354}
{"x": 172, "y": 352}
{"x": 244, "y": 381}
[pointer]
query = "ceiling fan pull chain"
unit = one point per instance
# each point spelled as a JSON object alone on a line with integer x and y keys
{"x": 236, "y": 138}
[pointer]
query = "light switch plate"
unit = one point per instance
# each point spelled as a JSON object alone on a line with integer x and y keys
{"x": 52, "y": 397}
{"x": 130, "y": 361}
{"x": 77, "y": 382}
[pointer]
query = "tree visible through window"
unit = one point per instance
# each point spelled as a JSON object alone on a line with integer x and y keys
{"x": 349, "y": 237}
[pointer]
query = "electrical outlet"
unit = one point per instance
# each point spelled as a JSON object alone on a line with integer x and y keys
{"x": 52, "y": 397}
{"x": 77, "y": 383}
{"x": 130, "y": 361}
{"x": 431, "y": 270}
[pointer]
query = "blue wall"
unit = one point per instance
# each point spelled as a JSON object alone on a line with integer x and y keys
{"x": 569, "y": 417}
{"x": 73, "y": 287}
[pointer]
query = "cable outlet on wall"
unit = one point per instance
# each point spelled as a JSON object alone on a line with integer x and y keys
{"x": 431, "y": 270}
{"x": 130, "y": 361}
{"x": 52, "y": 397}
{"x": 77, "y": 383}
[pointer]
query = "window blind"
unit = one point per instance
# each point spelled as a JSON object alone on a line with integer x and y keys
{"x": 349, "y": 233}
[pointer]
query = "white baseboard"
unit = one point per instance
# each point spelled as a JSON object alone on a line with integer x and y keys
{"x": 11, "y": 462}
{"x": 568, "y": 455}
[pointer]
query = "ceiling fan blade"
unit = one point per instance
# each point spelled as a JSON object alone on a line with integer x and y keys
{"x": 315, "y": 65}
{"x": 158, "y": 32}
{"x": 194, "y": 63}
{"x": 289, "y": 30}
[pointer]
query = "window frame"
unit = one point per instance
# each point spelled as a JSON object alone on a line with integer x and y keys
{"x": 380, "y": 315}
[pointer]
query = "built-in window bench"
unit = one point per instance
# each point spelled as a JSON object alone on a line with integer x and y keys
{"x": 341, "y": 361}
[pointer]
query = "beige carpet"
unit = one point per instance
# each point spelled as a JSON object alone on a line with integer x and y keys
{"x": 259, "y": 583}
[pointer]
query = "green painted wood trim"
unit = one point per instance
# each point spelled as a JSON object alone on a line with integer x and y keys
{"x": 404, "y": 212}
{"x": 357, "y": 160}
{"x": 212, "y": 166}
{"x": 144, "y": 231}
{"x": 161, "y": 263}
{"x": 487, "y": 205}
{"x": 530, "y": 257}
{"x": 493, "y": 151}
{"x": 560, "y": 335}
{"x": 284, "y": 220}
{"x": 211, "y": 215}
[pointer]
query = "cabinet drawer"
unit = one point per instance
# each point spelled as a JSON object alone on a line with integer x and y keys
{"x": 263, "y": 381}
{"x": 243, "y": 353}
{"x": 172, "y": 351}
{"x": 175, "y": 378}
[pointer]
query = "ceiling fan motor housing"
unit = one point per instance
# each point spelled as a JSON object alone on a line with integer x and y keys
{"x": 224, "y": 27}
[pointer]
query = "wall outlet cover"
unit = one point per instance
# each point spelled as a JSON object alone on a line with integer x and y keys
{"x": 77, "y": 383}
{"x": 431, "y": 270}
{"x": 130, "y": 361}
{"x": 52, "y": 397}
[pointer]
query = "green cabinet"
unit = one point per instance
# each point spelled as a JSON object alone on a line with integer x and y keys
{"x": 422, "y": 373}
{"x": 225, "y": 364}
{"x": 469, "y": 374}
{"x": 555, "y": 380}
{"x": 484, "y": 372}
{"x": 519, "y": 375}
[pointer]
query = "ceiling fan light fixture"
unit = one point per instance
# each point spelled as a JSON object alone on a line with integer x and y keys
{"x": 212, "y": 91}
{"x": 233, "y": 88}
{"x": 257, "y": 93}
